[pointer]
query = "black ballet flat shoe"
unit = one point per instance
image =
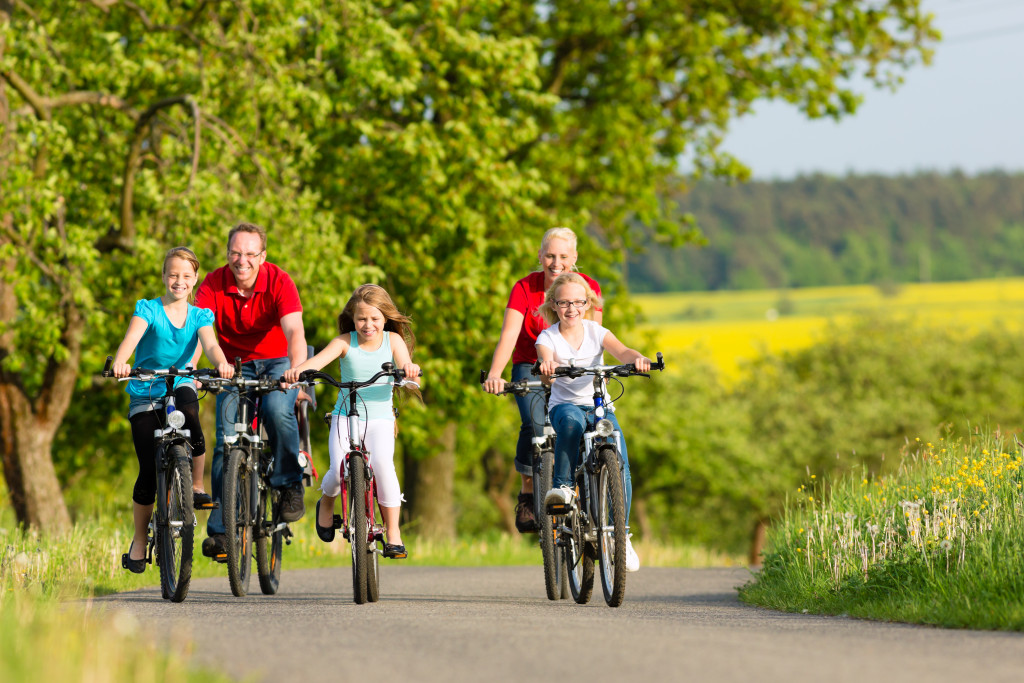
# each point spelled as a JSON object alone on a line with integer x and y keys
{"x": 134, "y": 566}
{"x": 326, "y": 533}
{"x": 395, "y": 551}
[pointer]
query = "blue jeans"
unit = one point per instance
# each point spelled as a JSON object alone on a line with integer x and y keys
{"x": 278, "y": 414}
{"x": 531, "y": 412}
{"x": 570, "y": 421}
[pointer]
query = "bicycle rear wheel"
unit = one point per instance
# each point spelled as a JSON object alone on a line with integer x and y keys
{"x": 269, "y": 543}
{"x": 357, "y": 526}
{"x": 554, "y": 574}
{"x": 175, "y": 526}
{"x": 236, "y": 502}
{"x": 611, "y": 527}
{"x": 373, "y": 563}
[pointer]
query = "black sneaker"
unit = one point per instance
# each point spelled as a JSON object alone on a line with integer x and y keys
{"x": 526, "y": 522}
{"x": 215, "y": 547}
{"x": 293, "y": 507}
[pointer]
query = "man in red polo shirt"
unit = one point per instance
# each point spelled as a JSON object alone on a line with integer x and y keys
{"x": 258, "y": 318}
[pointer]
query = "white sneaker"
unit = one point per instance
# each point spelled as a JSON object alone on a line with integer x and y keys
{"x": 632, "y": 559}
{"x": 559, "y": 500}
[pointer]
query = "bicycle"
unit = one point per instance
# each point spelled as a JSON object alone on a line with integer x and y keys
{"x": 358, "y": 522}
{"x": 543, "y": 462}
{"x": 594, "y": 527}
{"x": 173, "y": 524}
{"x": 250, "y": 505}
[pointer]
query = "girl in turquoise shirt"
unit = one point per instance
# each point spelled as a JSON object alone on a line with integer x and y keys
{"x": 163, "y": 333}
{"x": 372, "y": 331}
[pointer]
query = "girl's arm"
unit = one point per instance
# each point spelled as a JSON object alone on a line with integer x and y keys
{"x": 136, "y": 328}
{"x": 336, "y": 348}
{"x": 208, "y": 340}
{"x": 625, "y": 354}
{"x": 510, "y": 328}
{"x": 546, "y": 356}
{"x": 400, "y": 351}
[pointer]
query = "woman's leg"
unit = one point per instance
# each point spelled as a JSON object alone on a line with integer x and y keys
{"x": 531, "y": 415}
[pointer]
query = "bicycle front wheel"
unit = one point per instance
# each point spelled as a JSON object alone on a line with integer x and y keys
{"x": 357, "y": 529}
{"x": 611, "y": 527}
{"x": 269, "y": 543}
{"x": 554, "y": 574}
{"x": 579, "y": 559}
{"x": 175, "y": 524}
{"x": 236, "y": 502}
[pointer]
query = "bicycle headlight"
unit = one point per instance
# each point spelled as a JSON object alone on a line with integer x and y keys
{"x": 176, "y": 419}
{"x": 604, "y": 428}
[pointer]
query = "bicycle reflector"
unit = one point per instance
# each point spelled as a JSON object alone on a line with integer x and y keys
{"x": 604, "y": 428}
{"x": 176, "y": 419}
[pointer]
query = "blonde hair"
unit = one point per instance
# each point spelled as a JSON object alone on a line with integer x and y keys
{"x": 187, "y": 255}
{"x": 548, "y": 309}
{"x": 559, "y": 233}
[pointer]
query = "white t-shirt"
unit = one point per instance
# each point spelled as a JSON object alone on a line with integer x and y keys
{"x": 578, "y": 391}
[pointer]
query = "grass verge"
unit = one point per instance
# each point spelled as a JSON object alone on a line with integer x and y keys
{"x": 939, "y": 542}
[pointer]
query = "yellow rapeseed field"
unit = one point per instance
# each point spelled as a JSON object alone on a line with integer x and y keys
{"x": 733, "y": 327}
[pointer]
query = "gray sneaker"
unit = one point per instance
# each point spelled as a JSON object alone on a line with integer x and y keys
{"x": 293, "y": 507}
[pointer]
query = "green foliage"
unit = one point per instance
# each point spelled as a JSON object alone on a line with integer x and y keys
{"x": 820, "y": 230}
{"x": 937, "y": 542}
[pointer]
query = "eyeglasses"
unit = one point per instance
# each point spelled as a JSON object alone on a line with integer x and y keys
{"x": 235, "y": 255}
{"x": 566, "y": 303}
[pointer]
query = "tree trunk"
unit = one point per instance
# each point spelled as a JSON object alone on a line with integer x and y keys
{"x": 433, "y": 489}
{"x": 28, "y": 425}
{"x": 501, "y": 482}
{"x": 757, "y": 542}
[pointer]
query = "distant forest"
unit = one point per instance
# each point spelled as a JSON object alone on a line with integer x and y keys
{"x": 860, "y": 229}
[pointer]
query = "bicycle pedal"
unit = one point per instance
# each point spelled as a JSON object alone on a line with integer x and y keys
{"x": 210, "y": 506}
{"x": 221, "y": 559}
{"x": 337, "y": 522}
{"x": 558, "y": 509}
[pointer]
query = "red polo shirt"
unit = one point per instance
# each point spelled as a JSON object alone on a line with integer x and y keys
{"x": 526, "y": 297}
{"x": 250, "y": 327}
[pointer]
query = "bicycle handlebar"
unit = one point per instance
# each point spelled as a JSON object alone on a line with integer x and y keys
{"x": 519, "y": 388}
{"x": 626, "y": 370}
{"x": 309, "y": 377}
{"x": 150, "y": 373}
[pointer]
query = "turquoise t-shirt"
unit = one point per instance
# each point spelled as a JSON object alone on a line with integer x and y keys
{"x": 163, "y": 345}
{"x": 373, "y": 403}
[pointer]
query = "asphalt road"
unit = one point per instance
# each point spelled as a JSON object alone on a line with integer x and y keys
{"x": 495, "y": 624}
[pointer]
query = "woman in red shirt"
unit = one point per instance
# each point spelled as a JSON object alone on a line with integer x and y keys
{"x": 519, "y": 332}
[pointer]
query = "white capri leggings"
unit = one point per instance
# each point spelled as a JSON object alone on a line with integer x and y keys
{"x": 379, "y": 441}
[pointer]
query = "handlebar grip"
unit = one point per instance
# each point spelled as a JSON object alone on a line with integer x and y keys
{"x": 483, "y": 376}
{"x": 535, "y": 370}
{"x": 238, "y": 365}
{"x": 106, "y": 366}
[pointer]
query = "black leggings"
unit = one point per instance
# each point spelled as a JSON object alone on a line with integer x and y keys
{"x": 143, "y": 426}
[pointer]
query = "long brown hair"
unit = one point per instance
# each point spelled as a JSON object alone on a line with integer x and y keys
{"x": 394, "y": 320}
{"x": 548, "y": 309}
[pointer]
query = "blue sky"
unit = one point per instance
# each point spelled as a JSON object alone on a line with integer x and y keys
{"x": 965, "y": 111}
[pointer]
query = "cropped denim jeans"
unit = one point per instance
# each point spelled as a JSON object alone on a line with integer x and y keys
{"x": 570, "y": 421}
{"x": 531, "y": 413}
{"x": 278, "y": 414}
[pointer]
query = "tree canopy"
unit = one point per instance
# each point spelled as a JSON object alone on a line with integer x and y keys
{"x": 425, "y": 146}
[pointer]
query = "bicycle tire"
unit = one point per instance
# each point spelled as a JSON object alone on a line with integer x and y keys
{"x": 553, "y": 572}
{"x": 175, "y": 527}
{"x": 237, "y": 511}
{"x": 357, "y": 525}
{"x": 373, "y": 564}
{"x": 269, "y": 544}
{"x": 579, "y": 560}
{"x": 611, "y": 527}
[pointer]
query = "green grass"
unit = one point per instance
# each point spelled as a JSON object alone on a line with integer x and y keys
{"x": 940, "y": 542}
